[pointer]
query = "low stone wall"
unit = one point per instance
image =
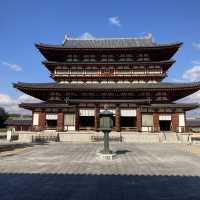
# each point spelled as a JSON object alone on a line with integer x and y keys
{"x": 140, "y": 138}
{"x": 25, "y": 136}
{"x": 75, "y": 137}
{"x": 82, "y": 136}
{"x": 127, "y": 137}
{"x": 184, "y": 138}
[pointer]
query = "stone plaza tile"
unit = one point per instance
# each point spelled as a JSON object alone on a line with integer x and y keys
{"x": 72, "y": 171}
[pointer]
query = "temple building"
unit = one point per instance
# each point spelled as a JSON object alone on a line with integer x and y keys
{"x": 126, "y": 74}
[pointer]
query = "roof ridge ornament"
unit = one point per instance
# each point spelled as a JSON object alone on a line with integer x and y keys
{"x": 66, "y": 37}
{"x": 149, "y": 36}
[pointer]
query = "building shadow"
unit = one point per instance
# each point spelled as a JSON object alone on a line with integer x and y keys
{"x": 11, "y": 147}
{"x": 124, "y": 151}
{"x": 97, "y": 187}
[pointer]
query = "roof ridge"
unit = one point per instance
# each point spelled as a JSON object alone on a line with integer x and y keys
{"x": 121, "y": 38}
{"x": 149, "y": 36}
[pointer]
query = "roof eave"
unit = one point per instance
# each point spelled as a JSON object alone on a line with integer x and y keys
{"x": 41, "y": 46}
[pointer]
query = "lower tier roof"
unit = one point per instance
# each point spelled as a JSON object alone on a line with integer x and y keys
{"x": 43, "y": 105}
{"x": 42, "y": 90}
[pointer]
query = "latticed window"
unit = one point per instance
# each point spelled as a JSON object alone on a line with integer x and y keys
{"x": 107, "y": 71}
{"x": 62, "y": 71}
{"x": 154, "y": 70}
{"x": 122, "y": 57}
{"x": 138, "y": 71}
{"x": 77, "y": 71}
{"x": 69, "y": 119}
{"x": 72, "y": 58}
{"x": 69, "y": 58}
{"x": 142, "y": 57}
{"x": 111, "y": 58}
{"x": 123, "y": 71}
{"x": 146, "y": 57}
{"x": 75, "y": 58}
{"x": 147, "y": 120}
{"x": 91, "y": 71}
{"x": 85, "y": 58}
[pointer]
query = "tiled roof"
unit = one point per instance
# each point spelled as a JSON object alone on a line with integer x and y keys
{"x": 109, "y": 43}
{"x": 193, "y": 122}
{"x": 20, "y": 122}
{"x": 175, "y": 105}
{"x": 104, "y": 86}
{"x": 77, "y": 43}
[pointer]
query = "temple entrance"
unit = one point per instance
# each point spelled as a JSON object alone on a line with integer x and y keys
{"x": 51, "y": 120}
{"x": 165, "y": 122}
{"x": 87, "y": 119}
{"x": 128, "y": 122}
{"x": 128, "y": 118}
{"x": 165, "y": 125}
{"x": 51, "y": 123}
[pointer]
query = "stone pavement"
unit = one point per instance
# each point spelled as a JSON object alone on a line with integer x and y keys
{"x": 72, "y": 171}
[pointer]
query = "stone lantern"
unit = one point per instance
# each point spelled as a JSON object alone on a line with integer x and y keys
{"x": 106, "y": 125}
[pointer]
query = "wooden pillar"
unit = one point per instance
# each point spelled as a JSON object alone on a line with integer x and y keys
{"x": 175, "y": 121}
{"x": 117, "y": 119}
{"x": 42, "y": 119}
{"x": 96, "y": 123}
{"x": 32, "y": 127}
{"x": 138, "y": 120}
{"x": 77, "y": 118}
{"x": 60, "y": 121}
{"x": 186, "y": 129}
{"x": 156, "y": 125}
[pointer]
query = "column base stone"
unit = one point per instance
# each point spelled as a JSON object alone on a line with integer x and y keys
{"x": 103, "y": 156}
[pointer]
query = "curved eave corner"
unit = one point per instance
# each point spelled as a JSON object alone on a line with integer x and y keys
{"x": 15, "y": 85}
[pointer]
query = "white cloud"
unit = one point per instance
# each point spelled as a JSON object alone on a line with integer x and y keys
{"x": 11, "y": 105}
{"x": 13, "y": 67}
{"x": 87, "y": 36}
{"x": 196, "y": 45}
{"x": 192, "y": 74}
{"x": 115, "y": 21}
{"x": 196, "y": 62}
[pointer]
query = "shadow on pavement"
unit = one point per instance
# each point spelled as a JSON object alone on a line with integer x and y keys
{"x": 98, "y": 187}
{"x": 13, "y": 146}
{"x": 119, "y": 152}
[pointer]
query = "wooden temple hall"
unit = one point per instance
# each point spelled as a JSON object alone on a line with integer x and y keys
{"x": 126, "y": 74}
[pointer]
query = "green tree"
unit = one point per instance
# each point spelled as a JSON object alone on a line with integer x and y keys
{"x": 3, "y": 117}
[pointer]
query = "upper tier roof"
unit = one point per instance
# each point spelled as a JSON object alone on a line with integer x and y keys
{"x": 108, "y": 43}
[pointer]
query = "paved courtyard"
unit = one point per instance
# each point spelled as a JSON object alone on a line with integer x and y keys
{"x": 72, "y": 171}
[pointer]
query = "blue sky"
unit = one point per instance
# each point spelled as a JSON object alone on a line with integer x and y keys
{"x": 25, "y": 22}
